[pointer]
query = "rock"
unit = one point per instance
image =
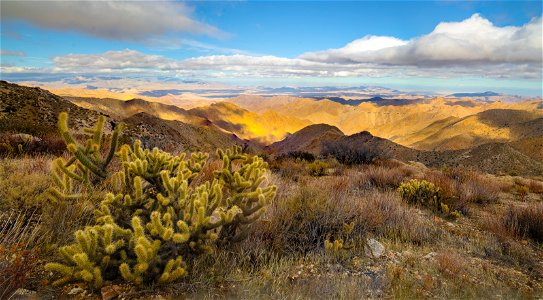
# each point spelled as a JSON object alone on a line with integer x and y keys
{"x": 22, "y": 294}
{"x": 76, "y": 290}
{"x": 25, "y": 137}
{"x": 374, "y": 249}
{"x": 430, "y": 255}
{"x": 111, "y": 291}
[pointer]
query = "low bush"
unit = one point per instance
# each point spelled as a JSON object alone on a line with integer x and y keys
{"x": 531, "y": 185}
{"x": 307, "y": 214}
{"x": 473, "y": 187}
{"x": 317, "y": 168}
{"x": 525, "y": 221}
{"x": 421, "y": 192}
{"x": 381, "y": 177}
{"x": 352, "y": 154}
{"x": 298, "y": 155}
{"x": 17, "y": 144}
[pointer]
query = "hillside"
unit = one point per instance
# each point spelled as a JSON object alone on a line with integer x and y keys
{"x": 439, "y": 123}
{"x": 494, "y": 158}
{"x": 35, "y": 111}
{"x": 520, "y": 158}
{"x": 309, "y": 139}
{"x": 495, "y": 125}
{"x": 267, "y": 127}
{"x": 124, "y": 109}
{"x": 177, "y": 136}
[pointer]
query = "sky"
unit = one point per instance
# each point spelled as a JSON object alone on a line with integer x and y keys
{"x": 440, "y": 46}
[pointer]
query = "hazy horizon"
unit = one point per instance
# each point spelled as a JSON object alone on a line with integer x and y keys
{"x": 467, "y": 46}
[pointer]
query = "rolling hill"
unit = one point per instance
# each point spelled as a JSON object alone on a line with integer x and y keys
{"x": 495, "y": 125}
{"x": 265, "y": 127}
{"x": 493, "y": 157}
{"x": 35, "y": 111}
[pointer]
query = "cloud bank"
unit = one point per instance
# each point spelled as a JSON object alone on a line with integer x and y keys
{"x": 471, "y": 48}
{"x": 473, "y": 41}
{"x": 122, "y": 20}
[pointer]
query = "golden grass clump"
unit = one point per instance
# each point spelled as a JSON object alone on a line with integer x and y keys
{"x": 23, "y": 182}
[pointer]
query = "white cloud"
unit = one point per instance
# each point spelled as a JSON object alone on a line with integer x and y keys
{"x": 471, "y": 48}
{"x": 124, "y": 20}
{"x": 112, "y": 60}
{"x": 473, "y": 41}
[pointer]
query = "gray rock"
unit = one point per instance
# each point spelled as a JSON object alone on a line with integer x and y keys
{"x": 374, "y": 249}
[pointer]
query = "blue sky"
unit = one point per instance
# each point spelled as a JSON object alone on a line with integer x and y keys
{"x": 282, "y": 43}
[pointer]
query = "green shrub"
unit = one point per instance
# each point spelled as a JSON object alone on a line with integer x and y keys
{"x": 421, "y": 192}
{"x": 159, "y": 212}
{"x": 317, "y": 168}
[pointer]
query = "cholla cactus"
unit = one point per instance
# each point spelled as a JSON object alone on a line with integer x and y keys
{"x": 86, "y": 161}
{"x": 421, "y": 192}
{"x": 158, "y": 213}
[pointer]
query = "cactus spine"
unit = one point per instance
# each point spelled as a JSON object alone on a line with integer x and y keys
{"x": 158, "y": 213}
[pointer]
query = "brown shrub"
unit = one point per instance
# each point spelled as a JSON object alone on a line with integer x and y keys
{"x": 534, "y": 186}
{"x": 450, "y": 263}
{"x": 381, "y": 177}
{"x": 460, "y": 186}
{"x": 18, "y": 251}
{"x": 525, "y": 221}
{"x": 13, "y": 144}
{"x": 304, "y": 215}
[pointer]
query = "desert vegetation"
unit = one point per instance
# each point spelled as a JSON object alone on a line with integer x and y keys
{"x": 105, "y": 220}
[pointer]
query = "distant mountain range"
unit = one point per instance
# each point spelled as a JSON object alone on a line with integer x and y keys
{"x": 484, "y": 94}
{"x": 437, "y": 131}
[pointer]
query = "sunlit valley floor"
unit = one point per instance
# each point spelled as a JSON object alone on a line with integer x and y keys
{"x": 343, "y": 223}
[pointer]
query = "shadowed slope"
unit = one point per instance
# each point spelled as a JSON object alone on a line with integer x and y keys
{"x": 309, "y": 139}
{"x": 177, "y": 136}
{"x": 35, "y": 111}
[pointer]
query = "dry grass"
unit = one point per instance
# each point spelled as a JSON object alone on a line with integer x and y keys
{"x": 382, "y": 177}
{"x": 283, "y": 256}
{"x": 460, "y": 188}
{"x": 532, "y": 185}
{"x": 525, "y": 221}
{"x": 23, "y": 182}
{"x": 19, "y": 250}
{"x": 305, "y": 214}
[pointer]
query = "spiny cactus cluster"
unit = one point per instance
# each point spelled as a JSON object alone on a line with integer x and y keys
{"x": 87, "y": 164}
{"x": 426, "y": 194}
{"x": 420, "y": 192}
{"x": 160, "y": 211}
{"x": 342, "y": 243}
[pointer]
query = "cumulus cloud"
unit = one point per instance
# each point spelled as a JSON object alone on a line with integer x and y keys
{"x": 124, "y": 20}
{"x": 474, "y": 40}
{"x": 4, "y": 52}
{"x": 474, "y": 47}
{"x": 112, "y": 60}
